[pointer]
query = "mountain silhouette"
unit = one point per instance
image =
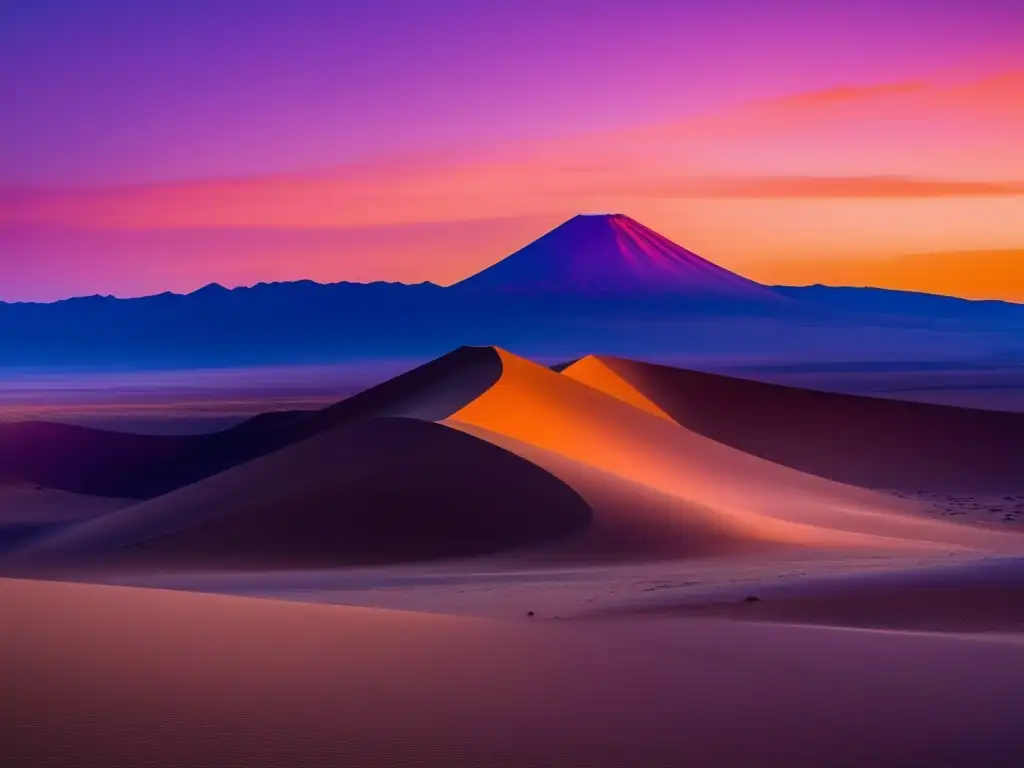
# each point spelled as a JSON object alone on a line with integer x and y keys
{"x": 601, "y": 283}
{"x": 611, "y": 254}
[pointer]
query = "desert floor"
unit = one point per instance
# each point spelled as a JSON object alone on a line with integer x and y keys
{"x": 660, "y": 665}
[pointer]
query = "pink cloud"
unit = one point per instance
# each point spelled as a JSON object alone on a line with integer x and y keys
{"x": 887, "y": 140}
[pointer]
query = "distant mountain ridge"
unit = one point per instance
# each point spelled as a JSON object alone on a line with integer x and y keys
{"x": 601, "y": 283}
{"x": 218, "y": 290}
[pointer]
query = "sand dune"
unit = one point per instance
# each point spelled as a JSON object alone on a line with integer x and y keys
{"x": 630, "y": 520}
{"x": 21, "y": 503}
{"x": 380, "y": 490}
{"x": 161, "y": 678}
{"x": 28, "y": 512}
{"x": 620, "y": 457}
{"x": 105, "y": 463}
{"x": 521, "y": 457}
{"x": 870, "y": 442}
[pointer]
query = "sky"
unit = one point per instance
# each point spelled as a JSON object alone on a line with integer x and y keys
{"x": 169, "y": 144}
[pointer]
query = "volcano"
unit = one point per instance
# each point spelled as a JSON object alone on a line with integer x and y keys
{"x": 612, "y": 254}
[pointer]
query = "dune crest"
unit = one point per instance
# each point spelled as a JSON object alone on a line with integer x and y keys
{"x": 593, "y": 372}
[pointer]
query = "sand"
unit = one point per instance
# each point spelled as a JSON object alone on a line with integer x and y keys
{"x": 482, "y": 452}
{"x": 974, "y": 597}
{"x": 380, "y": 490}
{"x": 865, "y": 441}
{"x": 175, "y": 679}
{"x": 723, "y": 494}
{"x": 991, "y": 510}
{"x": 30, "y": 512}
{"x": 24, "y": 504}
{"x": 106, "y": 463}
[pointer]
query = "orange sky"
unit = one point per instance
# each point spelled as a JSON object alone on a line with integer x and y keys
{"x": 916, "y": 185}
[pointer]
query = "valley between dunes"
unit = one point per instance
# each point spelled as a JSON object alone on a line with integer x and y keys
{"x": 488, "y": 562}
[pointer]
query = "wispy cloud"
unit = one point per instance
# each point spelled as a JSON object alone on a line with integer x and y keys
{"x": 782, "y": 187}
{"x": 952, "y": 140}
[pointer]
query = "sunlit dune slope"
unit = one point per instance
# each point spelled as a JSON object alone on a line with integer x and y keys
{"x": 870, "y": 442}
{"x": 630, "y": 520}
{"x": 620, "y": 457}
{"x": 105, "y": 463}
{"x": 381, "y": 490}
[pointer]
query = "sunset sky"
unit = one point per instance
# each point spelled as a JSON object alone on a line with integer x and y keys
{"x": 163, "y": 145}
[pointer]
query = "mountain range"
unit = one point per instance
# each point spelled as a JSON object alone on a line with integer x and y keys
{"x": 599, "y": 281}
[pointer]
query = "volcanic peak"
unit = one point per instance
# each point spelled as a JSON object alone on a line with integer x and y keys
{"x": 611, "y": 253}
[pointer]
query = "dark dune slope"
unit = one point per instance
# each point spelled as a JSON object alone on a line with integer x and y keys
{"x": 104, "y": 463}
{"x": 864, "y": 441}
{"x": 376, "y": 491}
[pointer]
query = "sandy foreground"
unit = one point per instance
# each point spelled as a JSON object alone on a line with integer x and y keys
{"x": 100, "y": 675}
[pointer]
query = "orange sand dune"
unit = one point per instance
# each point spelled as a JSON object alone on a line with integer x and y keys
{"x": 870, "y": 442}
{"x": 380, "y": 490}
{"x": 546, "y": 462}
{"x": 108, "y": 676}
{"x": 620, "y": 457}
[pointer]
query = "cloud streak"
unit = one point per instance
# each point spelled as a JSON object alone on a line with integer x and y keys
{"x": 897, "y": 140}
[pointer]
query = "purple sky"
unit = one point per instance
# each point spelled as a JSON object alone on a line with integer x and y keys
{"x": 123, "y": 91}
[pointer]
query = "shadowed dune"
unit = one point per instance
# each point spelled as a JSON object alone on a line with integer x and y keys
{"x": 110, "y": 676}
{"x": 104, "y": 463}
{"x": 865, "y": 441}
{"x": 29, "y": 512}
{"x": 377, "y": 491}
